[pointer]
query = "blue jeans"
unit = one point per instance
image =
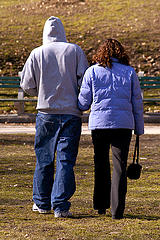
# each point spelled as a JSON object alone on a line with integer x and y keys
{"x": 55, "y": 134}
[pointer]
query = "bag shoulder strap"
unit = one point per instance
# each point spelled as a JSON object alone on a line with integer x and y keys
{"x": 136, "y": 151}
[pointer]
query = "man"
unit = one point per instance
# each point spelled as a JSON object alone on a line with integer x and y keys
{"x": 53, "y": 72}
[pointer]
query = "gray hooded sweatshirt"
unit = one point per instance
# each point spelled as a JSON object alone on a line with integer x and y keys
{"x": 54, "y": 71}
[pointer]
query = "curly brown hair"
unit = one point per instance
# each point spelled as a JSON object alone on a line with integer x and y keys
{"x": 111, "y": 48}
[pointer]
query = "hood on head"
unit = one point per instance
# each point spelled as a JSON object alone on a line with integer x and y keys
{"x": 53, "y": 31}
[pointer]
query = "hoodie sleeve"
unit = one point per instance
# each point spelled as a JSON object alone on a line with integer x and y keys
{"x": 85, "y": 95}
{"x": 81, "y": 66}
{"x": 137, "y": 105}
{"x": 28, "y": 81}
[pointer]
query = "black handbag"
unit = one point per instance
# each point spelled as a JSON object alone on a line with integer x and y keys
{"x": 134, "y": 169}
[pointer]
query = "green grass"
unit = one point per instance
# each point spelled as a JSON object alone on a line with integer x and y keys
{"x": 87, "y": 22}
{"x": 142, "y": 213}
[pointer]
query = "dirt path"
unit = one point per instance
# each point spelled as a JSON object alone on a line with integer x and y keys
{"x": 30, "y": 129}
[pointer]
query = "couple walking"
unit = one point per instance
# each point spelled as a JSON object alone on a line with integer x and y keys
{"x": 55, "y": 72}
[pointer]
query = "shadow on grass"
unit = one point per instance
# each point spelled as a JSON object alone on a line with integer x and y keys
{"x": 128, "y": 216}
{"x": 16, "y": 172}
{"x": 14, "y": 202}
{"x": 17, "y": 141}
{"x": 142, "y": 217}
{"x": 83, "y": 216}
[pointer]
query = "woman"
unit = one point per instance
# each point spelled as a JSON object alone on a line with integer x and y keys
{"x": 111, "y": 88}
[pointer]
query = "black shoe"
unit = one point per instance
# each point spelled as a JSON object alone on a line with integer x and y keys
{"x": 101, "y": 211}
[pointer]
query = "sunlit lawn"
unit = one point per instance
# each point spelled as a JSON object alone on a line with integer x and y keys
{"x": 17, "y": 221}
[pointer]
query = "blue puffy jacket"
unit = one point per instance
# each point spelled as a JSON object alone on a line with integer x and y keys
{"x": 114, "y": 96}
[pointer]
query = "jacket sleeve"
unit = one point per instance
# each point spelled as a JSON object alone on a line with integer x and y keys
{"x": 85, "y": 95}
{"x": 82, "y": 65}
{"x": 137, "y": 105}
{"x": 28, "y": 81}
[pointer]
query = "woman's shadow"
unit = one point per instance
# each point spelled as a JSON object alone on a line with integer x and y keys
{"x": 142, "y": 217}
{"x": 126, "y": 216}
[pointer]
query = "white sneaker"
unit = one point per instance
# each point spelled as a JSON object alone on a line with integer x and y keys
{"x": 35, "y": 208}
{"x": 62, "y": 214}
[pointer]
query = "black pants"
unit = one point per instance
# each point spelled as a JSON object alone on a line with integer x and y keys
{"x": 108, "y": 193}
